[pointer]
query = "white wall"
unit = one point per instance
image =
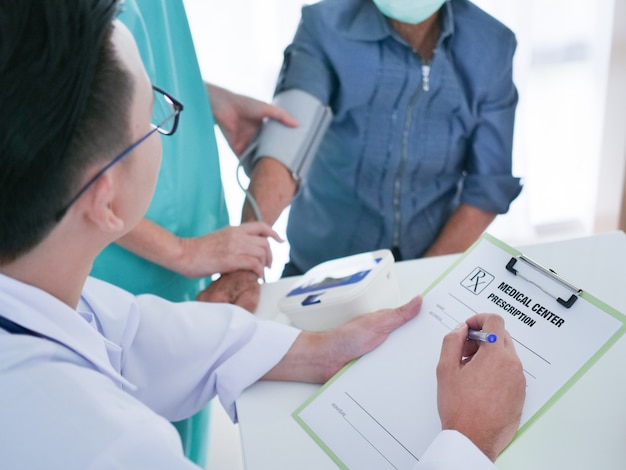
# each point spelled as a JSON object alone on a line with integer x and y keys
{"x": 611, "y": 168}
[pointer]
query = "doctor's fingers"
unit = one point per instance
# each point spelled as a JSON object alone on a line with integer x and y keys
{"x": 492, "y": 323}
{"x": 486, "y": 322}
{"x": 387, "y": 320}
{"x": 453, "y": 349}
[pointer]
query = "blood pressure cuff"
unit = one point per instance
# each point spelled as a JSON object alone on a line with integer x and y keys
{"x": 294, "y": 147}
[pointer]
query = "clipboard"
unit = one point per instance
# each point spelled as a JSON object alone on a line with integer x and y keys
{"x": 479, "y": 273}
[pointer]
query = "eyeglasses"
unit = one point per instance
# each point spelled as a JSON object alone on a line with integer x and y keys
{"x": 166, "y": 111}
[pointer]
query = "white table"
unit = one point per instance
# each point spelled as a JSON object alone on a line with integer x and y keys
{"x": 585, "y": 429}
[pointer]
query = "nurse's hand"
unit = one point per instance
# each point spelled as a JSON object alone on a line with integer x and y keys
{"x": 244, "y": 247}
{"x": 239, "y": 117}
{"x": 239, "y": 288}
{"x": 315, "y": 357}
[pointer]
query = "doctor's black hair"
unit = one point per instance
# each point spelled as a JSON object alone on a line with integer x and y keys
{"x": 63, "y": 107}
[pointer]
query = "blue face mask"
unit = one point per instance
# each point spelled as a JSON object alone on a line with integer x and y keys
{"x": 408, "y": 11}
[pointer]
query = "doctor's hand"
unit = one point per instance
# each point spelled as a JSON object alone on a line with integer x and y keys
{"x": 239, "y": 117}
{"x": 481, "y": 386}
{"x": 316, "y": 356}
{"x": 239, "y": 288}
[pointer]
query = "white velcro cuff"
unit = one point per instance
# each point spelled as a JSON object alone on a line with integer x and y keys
{"x": 295, "y": 147}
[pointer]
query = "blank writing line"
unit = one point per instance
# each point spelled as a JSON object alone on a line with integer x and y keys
{"x": 464, "y": 304}
{"x": 369, "y": 442}
{"x": 530, "y": 350}
{"x": 381, "y": 426}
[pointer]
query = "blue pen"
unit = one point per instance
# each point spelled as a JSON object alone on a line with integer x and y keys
{"x": 482, "y": 336}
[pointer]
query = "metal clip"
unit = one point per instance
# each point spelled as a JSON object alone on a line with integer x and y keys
{"x": 551, "y": 274}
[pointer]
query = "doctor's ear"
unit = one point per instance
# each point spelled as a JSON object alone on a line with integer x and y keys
{"x": 100, "y": 205}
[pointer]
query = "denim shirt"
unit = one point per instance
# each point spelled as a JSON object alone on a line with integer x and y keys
{"x": 409, "y": 141}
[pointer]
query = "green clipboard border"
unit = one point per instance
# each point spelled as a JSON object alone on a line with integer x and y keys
{"x": 541, "y": 411}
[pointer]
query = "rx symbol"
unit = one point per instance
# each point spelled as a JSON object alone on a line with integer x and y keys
{"x": 477, "y": 280}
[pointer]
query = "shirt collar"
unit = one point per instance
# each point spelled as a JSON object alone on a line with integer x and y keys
{"x": 446, "y": 19}
{"x": 39, "y": 311}
{"x": 369, "y": 24}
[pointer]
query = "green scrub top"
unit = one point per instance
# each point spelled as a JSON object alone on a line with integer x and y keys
{"x": 189, "y": 198}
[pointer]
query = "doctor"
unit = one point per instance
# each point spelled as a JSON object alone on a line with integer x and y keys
{"x": 90, "y": 374}
{"x": 184, "y": 239}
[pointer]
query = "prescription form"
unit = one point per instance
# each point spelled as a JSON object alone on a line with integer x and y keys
{"x": 381, "y": 411}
